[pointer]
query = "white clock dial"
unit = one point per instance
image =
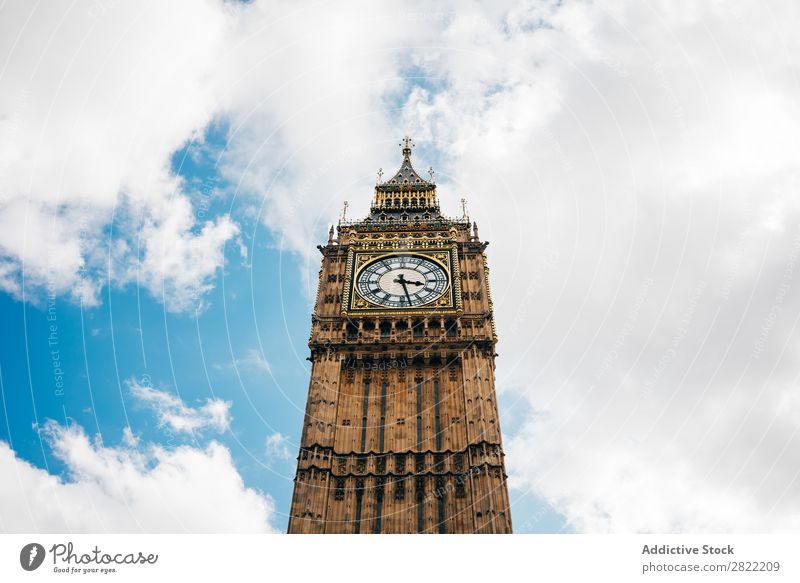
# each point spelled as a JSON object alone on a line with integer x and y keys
{"x": 402, "y": 281}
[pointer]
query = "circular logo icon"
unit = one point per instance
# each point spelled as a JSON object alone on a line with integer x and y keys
{"x": 31, "y": 556}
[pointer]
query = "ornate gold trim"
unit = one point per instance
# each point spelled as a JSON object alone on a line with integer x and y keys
{"x": 360, "y": 256}
{"x": 348, "y": 270}
{"x": 366, "y": 259}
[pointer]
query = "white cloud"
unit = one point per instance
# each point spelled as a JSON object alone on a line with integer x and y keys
{"x": 309, "y": 119}
{"x": 631, "y": 165}
{"x": 128, "y": 438}
{"x": 634, "y": 166}
{"x": 613, "y": 154}
{"x": 178, "y": 265}
{"x": 88, "y": 122}
{"x": 253, "y": 359}
{"x": 174, "y": 413}
{"x": 277, "y": 448}
{"x": 123, "y": 489}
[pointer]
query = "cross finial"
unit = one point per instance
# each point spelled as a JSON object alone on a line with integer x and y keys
{"x": 407, "y": 145}
{"x": 380, "y": 175}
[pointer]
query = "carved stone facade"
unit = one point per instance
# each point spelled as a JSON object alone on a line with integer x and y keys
{"x": 401, "y": 430}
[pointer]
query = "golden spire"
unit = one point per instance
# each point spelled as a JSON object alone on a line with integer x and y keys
{"x": 407, "y": 145}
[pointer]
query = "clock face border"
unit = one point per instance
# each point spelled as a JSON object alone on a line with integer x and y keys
{"x": 369, "y": 275}
{"x": 360, "y": 257}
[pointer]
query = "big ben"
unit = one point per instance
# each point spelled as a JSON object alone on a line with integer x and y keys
{"x": 401, "y": 431}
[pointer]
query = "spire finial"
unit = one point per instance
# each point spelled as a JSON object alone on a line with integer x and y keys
{"x": 407, "y": 145}
{"x": 330, "y": 236}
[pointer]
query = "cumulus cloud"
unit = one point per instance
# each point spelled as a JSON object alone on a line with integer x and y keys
{"x": 128, "y": 438}
{"x": 253, "y": 359}
{"x": 128, "y": 490}
{"x": 277, "y": 448}
{"x": 177, "y": 263}
{"x": 88, "y": 122}
{"x": 634, "y": 166}
{"x": 173, "y": 413}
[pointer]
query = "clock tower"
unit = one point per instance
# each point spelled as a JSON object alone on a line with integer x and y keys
{"x": 401, "y": 431}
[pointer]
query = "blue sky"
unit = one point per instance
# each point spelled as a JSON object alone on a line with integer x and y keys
{"x": 258, "y": 307}
{"x": 632, "y": 164}
{"x": 247, "y": 346}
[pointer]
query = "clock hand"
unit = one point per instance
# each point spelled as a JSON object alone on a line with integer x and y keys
{"x": 402, "y": 281}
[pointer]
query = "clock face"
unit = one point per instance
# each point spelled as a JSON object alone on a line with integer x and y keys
{"x": 402, "y": 281}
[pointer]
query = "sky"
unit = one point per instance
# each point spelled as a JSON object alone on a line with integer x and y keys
{"x": 167, "y": 170}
